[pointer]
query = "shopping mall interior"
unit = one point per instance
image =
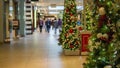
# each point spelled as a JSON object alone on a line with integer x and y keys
{"x": 59, "y": 34}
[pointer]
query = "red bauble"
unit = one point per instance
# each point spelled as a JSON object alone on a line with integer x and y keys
{"x": 80, "y": 28}
{"x": 71, "y": 46}
{"x": 71, "y": 14}
{"x": 71, "y": 31}
{"x": 67, "y": 10}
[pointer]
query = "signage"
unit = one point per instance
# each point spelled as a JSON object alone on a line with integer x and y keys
{"x": 15, "y": 24}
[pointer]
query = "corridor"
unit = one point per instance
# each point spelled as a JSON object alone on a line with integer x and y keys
{"x": 39, "y": 50}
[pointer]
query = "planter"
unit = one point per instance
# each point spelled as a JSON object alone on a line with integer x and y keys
{"x": 72, "y": 52}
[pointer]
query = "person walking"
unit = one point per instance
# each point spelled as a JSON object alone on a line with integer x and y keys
{"x": 55, "y": 25}
{"x": 52, "y": 24}
{"x": 60, "y": 24}
{"x": 40, "y": 24}
{"x": 48, "y": 24}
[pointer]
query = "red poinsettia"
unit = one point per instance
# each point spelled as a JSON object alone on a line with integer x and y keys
{"x": 71, "y": 31}
{"x": 71, "y": 46}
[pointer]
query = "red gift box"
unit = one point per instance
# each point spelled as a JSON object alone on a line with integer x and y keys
{"x": 84, "y": 41}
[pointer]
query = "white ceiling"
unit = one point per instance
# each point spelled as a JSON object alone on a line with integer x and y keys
{"x": 54, "y": 6}
{"x": 57, "y": 2}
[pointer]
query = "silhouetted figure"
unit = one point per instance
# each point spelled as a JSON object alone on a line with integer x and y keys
{"x": 48, "y": 24}
{"x": 55, "y": 25}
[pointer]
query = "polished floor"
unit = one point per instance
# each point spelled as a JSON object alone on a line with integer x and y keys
{"x": 39, "y": 50}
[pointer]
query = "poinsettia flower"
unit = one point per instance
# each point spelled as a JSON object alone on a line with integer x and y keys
{"x": 71, "y": 31}
{"x": 71, "y": 46}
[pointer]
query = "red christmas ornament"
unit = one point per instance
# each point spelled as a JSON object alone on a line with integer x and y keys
{"x": 80, "y": 28}
{"x": 67, "y": 10}
{"x": 71, "y": 46}
{"x": 71, "y": 31}
{"x": 77, "y": 43}
{"x": 71, "y": 14}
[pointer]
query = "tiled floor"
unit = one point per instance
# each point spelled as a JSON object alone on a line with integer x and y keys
{"x": 37, "y": 51}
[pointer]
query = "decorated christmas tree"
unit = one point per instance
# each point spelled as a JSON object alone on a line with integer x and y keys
{"x": 104, "y": 43}
{"x": 69, "y": 34}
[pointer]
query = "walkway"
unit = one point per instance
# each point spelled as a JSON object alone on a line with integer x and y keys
{"x": 37, "y": 51}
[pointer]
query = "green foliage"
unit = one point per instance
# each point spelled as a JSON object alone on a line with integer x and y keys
{"x": 103, "y": 44}
{"x": 88, "y": 15}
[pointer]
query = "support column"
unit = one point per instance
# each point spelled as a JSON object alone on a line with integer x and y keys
{"x": 8, "y": 17}
{"x": 21, "y": 17}
{"x": 1, "y": 21}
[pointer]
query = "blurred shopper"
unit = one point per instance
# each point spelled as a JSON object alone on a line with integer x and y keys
{"x": 52, "y": 24}
{"x": 48, "y": 24}
{"x": 40, "y": 24}
{"x": 60, "y": 24}
{"x": 55, "y": 25}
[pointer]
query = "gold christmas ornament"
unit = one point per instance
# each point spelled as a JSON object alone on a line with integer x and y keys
{"x": 99, "y": 35}
{"x": 75, "y": 18}
{"x": 90, "y": 42}
{"x": 72, "y": 17}
{"x": 102, "y": 11}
